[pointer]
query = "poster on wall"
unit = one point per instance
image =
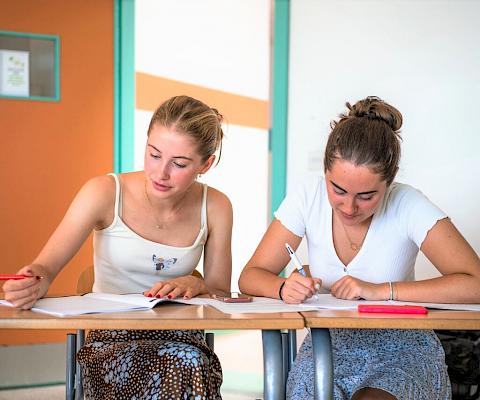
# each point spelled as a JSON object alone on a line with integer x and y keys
{"x": 14, "y": 73}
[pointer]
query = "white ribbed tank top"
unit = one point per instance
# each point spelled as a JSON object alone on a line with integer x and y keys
{"x": 125, "y": 262}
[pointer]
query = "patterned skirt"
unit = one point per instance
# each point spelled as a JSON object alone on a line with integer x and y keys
{"x": 144, "y": 364}
{"x": 409, "y": 364}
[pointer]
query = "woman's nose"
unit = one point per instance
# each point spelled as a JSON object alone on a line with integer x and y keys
{"x": 350, "y": 206}
{"x": 163, "y": 172}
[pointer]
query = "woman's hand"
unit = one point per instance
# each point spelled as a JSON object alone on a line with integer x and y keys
{"x": 298, "y": 288}
{"x": 350, "y": 288}
{"x": 184, "y": 286}
{"x": 23, "y": 293}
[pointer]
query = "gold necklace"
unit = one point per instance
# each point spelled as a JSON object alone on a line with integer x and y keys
{"x": 163, "y": 224}
{"x": 353, "y": 246}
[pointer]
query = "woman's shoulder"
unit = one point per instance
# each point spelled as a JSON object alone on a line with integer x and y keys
{"x": 217, "y": 199}
{"x": 101, "y": 184}
{"x": 402, "y": 192}
{"x": 98, "y": 191}
{"x": 403, "y": 198}
{"x": 310, "y": 186}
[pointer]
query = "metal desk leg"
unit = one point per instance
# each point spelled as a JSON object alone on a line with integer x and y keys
{"x": 273, "y": 379}
{"x": 285, "y": 355}
{"x": 78, "y": 372}
{"x": 323, "y": 364}
{"x": 70, "y": 373}
{"x": 292, "y": 347}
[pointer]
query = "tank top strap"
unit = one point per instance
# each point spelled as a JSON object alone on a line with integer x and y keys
{"x": 203, "y": 219}
{"x": 118, "y": 195}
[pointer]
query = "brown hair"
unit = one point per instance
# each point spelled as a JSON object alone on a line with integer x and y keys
{"x": 367, "y": 134}
{"x": 192, "y": 117}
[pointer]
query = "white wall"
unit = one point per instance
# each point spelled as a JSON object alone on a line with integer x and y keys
{"x": 423, "y": 57}
{"x": 222, "y": 45}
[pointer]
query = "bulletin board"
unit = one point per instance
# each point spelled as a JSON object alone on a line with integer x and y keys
{"x": 29, "y": 66}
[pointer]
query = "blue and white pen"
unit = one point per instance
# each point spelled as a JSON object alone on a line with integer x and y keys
{"x": 295, "y": 260}
{"x": 299, "y": 265}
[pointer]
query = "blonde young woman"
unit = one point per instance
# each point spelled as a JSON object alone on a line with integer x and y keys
{"x": 150, "y": 229}
{"x": 364, "y": 232}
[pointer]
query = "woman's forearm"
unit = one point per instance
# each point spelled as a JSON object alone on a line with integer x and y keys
{"x": 453, "y": 288}
{"x": 259, "y": 282}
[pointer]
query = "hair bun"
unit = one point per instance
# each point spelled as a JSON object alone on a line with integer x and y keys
{"x": 375, "y": 108}
{"x": 219, "y": 116}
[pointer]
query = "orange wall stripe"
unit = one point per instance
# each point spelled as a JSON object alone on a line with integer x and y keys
{"x": 239, "y": 110}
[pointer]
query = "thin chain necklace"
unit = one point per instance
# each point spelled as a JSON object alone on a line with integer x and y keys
{"x": 162, "y": 225}
{"x": 353, "y": 246}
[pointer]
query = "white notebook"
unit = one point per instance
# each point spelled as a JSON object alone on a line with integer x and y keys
{"x": 93, "y": 303}
{"x": 327, "y": 301}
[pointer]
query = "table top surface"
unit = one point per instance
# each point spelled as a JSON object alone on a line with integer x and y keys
{"x": 181, "y": 316}
{"x": 164, "y": 316}
{"x": 435, "y": 319}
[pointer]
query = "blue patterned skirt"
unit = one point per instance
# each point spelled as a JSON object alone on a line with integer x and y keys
{"x": 409, "y": 364}
{"x": 153, "y": 365}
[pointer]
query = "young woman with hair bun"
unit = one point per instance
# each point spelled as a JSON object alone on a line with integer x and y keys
{"x": 364, "y": 231}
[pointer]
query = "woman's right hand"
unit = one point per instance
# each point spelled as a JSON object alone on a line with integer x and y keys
{"x": 23, "y": 293}
{"x": 298, "y": 288}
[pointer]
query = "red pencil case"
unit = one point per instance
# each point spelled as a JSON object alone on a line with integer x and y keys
{"x": 391, "y": 309}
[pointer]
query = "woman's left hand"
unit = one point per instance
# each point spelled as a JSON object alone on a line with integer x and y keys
{"x": 184, "y": 286}
{"x": 350, "y": 288}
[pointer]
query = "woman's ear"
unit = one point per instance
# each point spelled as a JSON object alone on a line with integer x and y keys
{"x": 207, "y": 164}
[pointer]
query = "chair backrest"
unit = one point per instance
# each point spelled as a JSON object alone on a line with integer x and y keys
{"x": 86, "y": 278}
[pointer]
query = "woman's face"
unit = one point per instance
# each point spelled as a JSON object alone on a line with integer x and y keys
{"x": 354, "y": 192}
{"x": 172, "y": 161}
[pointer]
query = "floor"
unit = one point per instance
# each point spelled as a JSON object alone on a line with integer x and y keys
{"x": 58, "y": 393}
{"x": 240, "y": 353}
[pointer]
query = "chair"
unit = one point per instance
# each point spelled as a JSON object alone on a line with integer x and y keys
{"x": 75, "y": 341}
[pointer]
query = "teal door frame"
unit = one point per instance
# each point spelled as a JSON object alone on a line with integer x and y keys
{"x": 278, "y": 131}
{"x": 124, "y": 85}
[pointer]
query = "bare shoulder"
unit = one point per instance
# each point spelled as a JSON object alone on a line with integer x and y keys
{"x": 100, "y": 187}
{"x": 219, "y": 211}
{"x": 218, "y": 201}
{"x": 96, "y": 197}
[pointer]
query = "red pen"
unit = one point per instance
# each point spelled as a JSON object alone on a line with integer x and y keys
{"x": 391, "y": 309}
{"x": 6, "y": 277}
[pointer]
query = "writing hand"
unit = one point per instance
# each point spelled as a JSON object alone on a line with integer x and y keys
{"x": 23, "y": 293}
{"x": 299, "y": 288}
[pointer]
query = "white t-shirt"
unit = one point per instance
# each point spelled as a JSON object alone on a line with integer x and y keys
{"x": 391, "y": 245}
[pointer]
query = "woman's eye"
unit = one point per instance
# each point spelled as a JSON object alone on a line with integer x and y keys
{"x": 367, "y": 197}
{"x": 338, "y": 191}
{"x": 179, "y": 165}
{"x": 155, "y": 156}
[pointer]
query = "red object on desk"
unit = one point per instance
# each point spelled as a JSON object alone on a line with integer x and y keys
{"x": 391, "y": 309}
{"x": 6, "y": 277}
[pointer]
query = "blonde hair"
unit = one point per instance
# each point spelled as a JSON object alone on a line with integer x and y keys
{"x": 192, "y": 117}
{"x": 367, "y": 134}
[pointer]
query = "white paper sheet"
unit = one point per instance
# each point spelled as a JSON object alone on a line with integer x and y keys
{"x": 327, "y": 301}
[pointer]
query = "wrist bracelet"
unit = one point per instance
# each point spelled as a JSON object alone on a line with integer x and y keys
{"x": 391, "y": 290}
{"x": 280, "y": 290}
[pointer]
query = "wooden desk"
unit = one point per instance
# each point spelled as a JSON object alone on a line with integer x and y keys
{"x": 320, "y": 321}
{"x": 171, "y": 316}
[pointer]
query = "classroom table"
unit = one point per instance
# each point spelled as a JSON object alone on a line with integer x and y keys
{"x": 320, "y": 321}
{"x": 170, "y": 316}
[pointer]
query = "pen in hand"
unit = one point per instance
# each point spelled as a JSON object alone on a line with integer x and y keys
{"x": 299, "y": 265}
{"x": 295, "y": 260}
{"x": 6, "y": 277}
